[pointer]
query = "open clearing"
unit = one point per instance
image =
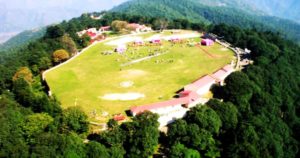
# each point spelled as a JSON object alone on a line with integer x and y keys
{"x": 99, "y": 83}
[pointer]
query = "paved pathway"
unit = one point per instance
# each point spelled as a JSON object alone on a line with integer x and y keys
{"x": 236, "y": 51}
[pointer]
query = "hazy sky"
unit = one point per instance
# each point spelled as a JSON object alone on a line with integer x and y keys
{"x": 16, "y": 15}
{"x": 19, "y": 15}
{"x": 76, "y": 4}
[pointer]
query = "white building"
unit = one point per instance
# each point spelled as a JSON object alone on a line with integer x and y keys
{"x": 174, "y": 109}
{"x": 139, "y": 28}
{"x": 170, "y": 110}
{"x": 92, "y": 32}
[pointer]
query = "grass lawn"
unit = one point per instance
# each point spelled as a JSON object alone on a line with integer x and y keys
{"x": 86, "y": 79}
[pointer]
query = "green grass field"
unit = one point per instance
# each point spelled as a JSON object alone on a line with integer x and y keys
{"x": 86, "y": 79}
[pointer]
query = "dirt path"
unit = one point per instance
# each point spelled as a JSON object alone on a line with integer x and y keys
{"x": 205, "y": 51}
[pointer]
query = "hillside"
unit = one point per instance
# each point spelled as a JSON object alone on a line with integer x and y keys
{"x": 288, "y": 9}
{"x": 195, "y": 11}
{"x": 244, "y": 5}
{"x": 22, "y": 38}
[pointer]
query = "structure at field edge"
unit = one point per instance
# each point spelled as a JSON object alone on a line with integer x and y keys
{"x": 177, "y": 108}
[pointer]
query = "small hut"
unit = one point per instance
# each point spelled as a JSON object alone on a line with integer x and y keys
{"x": 156, "y": 41}
{"x": 91, "y": 34}
{"x": 119, "y": 117}
{"x": 105, "y": 28}
{"x": 121, "y": 49}
{"x": 207, "y": 42}
{"x": 139, "y": 42}
{"x": 175, "y": 39}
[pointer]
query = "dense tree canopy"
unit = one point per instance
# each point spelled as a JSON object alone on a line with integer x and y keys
{"x": 118, "y": 25}
{"x": 74, "y": 120}
{"x": 60, "y": 55}
{"x": 23, "y": 73}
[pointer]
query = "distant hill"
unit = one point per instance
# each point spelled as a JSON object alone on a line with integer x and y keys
{"x": 6, "y": 36}
{"x": 23, "y": 38}
{"x": 17, "y": 16}
{"x": 209, "y": 12}
{"x": 286, "y": 9}
{"x": 245, "y": 5}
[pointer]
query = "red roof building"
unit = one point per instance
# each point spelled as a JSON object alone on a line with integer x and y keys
{"x": 155, "y": 41}
{"x": 156, "y": 106}
{"x": 104, "y": 28}
{"x": 119, "y": 117}
{"x": 202, "y": 85}
{"x": 138, "y": 28}
{"x": 184, "y": 93}
{"x": 171, "y": 110}
{"x": 207, "y": 42}
{"x": 134, "y": 26}
{"x": 170, "y": 105}
{"x": 91, "y": 34}
{"x": 221, "y": 74}
{"x": 228, "y": 68}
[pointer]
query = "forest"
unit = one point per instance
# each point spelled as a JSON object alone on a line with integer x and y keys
{"x": 200, "y": 11}
{"x": 256, "y": 114}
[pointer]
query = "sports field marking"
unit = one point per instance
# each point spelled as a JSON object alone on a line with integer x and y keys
{"x": 126, "y": 84}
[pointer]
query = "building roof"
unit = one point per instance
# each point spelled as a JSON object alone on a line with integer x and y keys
{"x": 156, "y": 40}
{"x": 105, "y": 27}
{"x": 193, "y": 96}
{"x": 190, "y": 97}
{"x": 119, "y": 117}
{"x": 228, "y": 68}
{"x": 134, "y": 25}
{"x": 220, "y": 74}
{"x": 200, "y": 83}
{"x": 210, "y": 36}
{"x": 207, "y": 41}
{"x": 91, "y": 34}
{"x": 173, "y": 102}
{"x": 185, "y": 93}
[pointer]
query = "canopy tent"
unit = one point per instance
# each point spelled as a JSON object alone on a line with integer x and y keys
{"x": 156, "y": 41}
{"x": 121, "y": 49}
{"x": 139, "y": 42}
{"x": 207, "y": 42}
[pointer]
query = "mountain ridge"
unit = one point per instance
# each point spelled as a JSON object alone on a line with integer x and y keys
{"x": 194, "y": 11}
